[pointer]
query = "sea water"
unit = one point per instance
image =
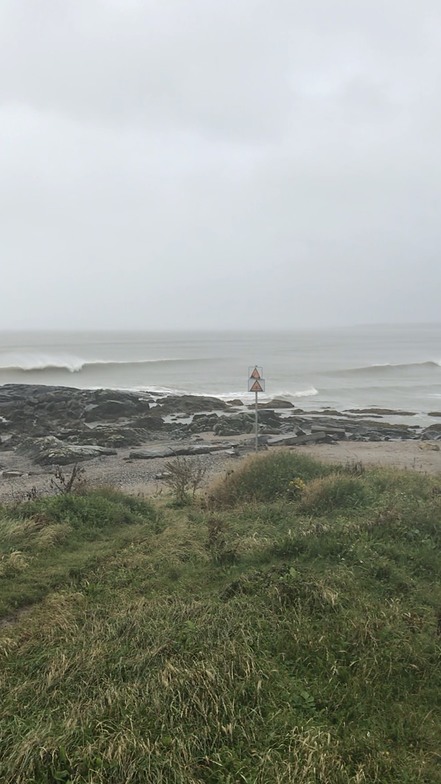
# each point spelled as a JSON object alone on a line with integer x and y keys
{"x": 392, "y": 366}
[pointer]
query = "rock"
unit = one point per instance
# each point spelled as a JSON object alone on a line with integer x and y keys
{"x": 431, "y": 432}
{"x": 233, "y": 425}
{"x": 330, "y": 439}
{"x": 380, "y": 411}
{"x": 109, "y": 436}
{"x": 433, "y": 447}
{"x": 269, "y": 418}
{"x": 434, "y": 413}
{"x": 10, "y": 474}
{"x": 203, "y": 423}
{"x": 293, "y": 440}
{"x": 52, "y": 451}
{"x": 190, "y": 404}
{"x": 277, "y": 402}
{"x": 337, "y": 432}
{"x": 178, "y": 451}
{"x": 110, "y": 409}
{"x": 153, "y": 422}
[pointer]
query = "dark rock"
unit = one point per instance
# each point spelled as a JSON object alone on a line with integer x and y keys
{"x": 277, "y": 402}
{"x": 110, "y": 409}
{"x": 190, "y": 404}
{"x": 380, "y": 411}
{"x": 203, "y": 423}
{"x": 152, "y": 422}
{"x": 434, "y": 413}
{"x": 236, "y": 424}
{"x": 270, "y": 418}
{"x": 433, "y": 432}
{"x": 337, "y": 432}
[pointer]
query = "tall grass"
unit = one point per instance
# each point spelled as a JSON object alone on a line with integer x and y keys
{"x": 313, "y": 657}
{"x": 265, "y": 478}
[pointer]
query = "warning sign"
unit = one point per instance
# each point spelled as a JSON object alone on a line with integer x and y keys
{"x": 255, "y": 381}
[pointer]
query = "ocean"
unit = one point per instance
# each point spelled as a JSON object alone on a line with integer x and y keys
{"x": 390, "y": 366}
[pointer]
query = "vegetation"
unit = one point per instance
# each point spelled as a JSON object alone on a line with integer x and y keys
{"x": 284, "y": 629}
{"x": 184, "y": 477}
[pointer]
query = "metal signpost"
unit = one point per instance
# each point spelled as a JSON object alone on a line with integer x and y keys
{"x": 256, "y": 384}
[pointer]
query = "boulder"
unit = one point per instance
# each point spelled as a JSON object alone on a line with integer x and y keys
{"x": 276, "y": 402}
{"x": 178, "y": 451}
{"x": 295, "y": 440}
{"x": 432, "y": 432}
{"x": 203, "y": 423}
{"x": 236, "y": 424}
{"x": 190, "y": 404}
{"x": 110, "y": 409}
{"x": 52, "y": 451}
{"x": 109, "y": 436}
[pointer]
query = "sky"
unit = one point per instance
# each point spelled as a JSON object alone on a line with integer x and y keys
{"x": 239, "y": 164}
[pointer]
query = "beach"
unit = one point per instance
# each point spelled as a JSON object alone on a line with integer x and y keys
{"x": 112, "y": 401}
{"x": 138, "y": 477}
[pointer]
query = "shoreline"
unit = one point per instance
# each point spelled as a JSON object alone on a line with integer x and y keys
{"x": 119, "y": 437}
{"x": 138, "y": 477}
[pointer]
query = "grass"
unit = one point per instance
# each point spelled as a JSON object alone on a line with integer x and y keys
{"x": 270, "y": 637}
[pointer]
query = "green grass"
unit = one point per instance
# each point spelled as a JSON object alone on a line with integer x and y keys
{"x": 265, "y": 639}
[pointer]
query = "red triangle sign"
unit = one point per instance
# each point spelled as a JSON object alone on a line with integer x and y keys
{"x": 256, "y": 386}
{"x": 255, "y": 374}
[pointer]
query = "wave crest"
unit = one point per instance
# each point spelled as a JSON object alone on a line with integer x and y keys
{"x": 388, "y": 367}
{"x": 31, "y": 363}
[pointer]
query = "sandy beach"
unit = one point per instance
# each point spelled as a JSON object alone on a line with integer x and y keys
{"x": 141, "y": 476}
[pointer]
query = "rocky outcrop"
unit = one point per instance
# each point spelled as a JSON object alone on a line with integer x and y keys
{"x": 190, "y": 404}
{"x": 52, "y": 451}
{"x": 432, "y": 432}
{"x": 68, "y": 424}
{"x": 234, "y": 425}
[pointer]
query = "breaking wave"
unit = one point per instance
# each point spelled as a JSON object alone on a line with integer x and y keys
{"x": 310, "y": 392}
{"x": 71, "y": 364}
{"x": 388, "y": 367}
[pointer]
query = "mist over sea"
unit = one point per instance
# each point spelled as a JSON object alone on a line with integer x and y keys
{"x": 389, "y": 366}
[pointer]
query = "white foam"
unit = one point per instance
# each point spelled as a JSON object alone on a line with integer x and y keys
{"x": 29, "y": 362}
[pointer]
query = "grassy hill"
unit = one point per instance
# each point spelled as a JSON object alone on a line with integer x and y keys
{"x": 286, "y": 628}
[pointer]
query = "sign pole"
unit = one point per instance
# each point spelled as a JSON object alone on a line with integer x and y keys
{"x": 256, "y": 384}
{"x": 257, "y": 424}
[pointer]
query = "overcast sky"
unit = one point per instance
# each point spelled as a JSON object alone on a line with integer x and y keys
{"x": 219, "y": 163}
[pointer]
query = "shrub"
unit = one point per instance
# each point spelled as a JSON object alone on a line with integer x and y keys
{"x": 184, "y": 477}
{"x": 91, "y": 510}
{"x": 266, "y": 478}
{"x": 333, "y": 492}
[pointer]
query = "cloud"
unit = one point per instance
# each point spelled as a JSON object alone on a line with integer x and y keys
{"x": 165, "y": 163}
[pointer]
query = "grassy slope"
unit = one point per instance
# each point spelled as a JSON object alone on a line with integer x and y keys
{"x": 289, "y": 633}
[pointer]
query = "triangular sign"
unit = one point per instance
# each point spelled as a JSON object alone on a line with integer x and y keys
{"x": 255, "y": 374}
{"x": 256, "y": 387}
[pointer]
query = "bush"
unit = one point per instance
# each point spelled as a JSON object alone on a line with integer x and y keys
{"x": 91, "y": 510}
{"x": 266, "y": 478}
{"x": 333, "y": 492}
{"x": 184, "y": 477}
